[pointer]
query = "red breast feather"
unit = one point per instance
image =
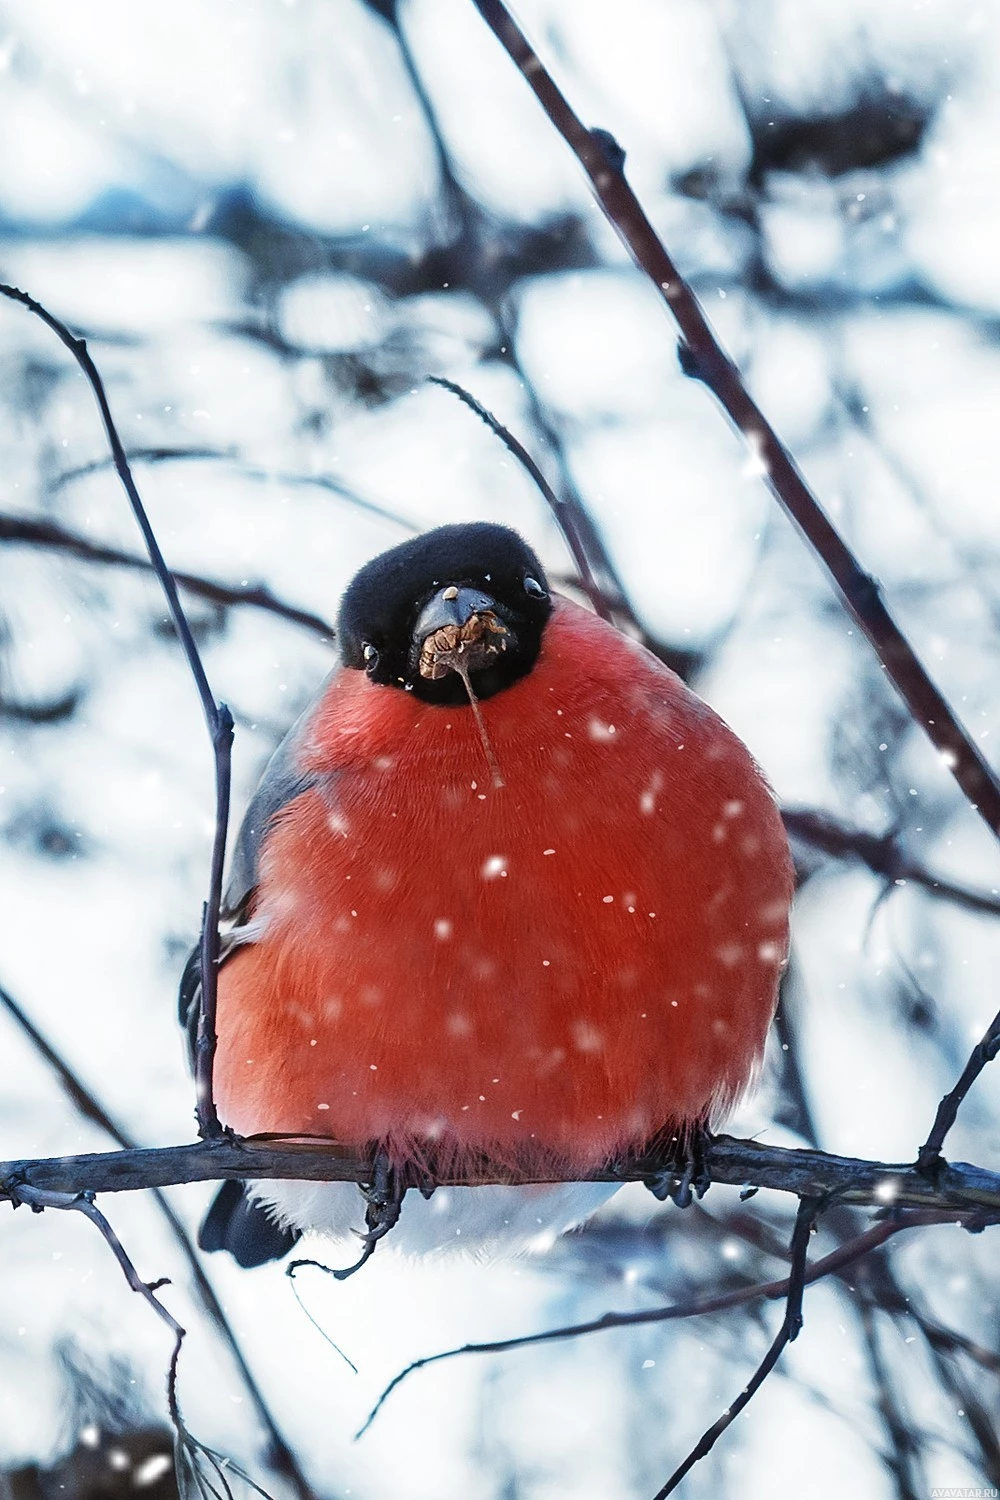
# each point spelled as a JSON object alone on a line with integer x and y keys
{"x": 549, "y": 972}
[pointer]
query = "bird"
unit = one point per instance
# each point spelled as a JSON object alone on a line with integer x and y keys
{"x": 510, "y": 901}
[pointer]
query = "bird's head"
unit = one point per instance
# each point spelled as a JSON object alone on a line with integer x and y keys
{"x": 461, "y": 604}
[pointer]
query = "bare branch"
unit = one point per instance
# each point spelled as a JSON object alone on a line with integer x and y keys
{"x": 279, "y": 1455}
{"x": 890, "y": 1299}
{"x": 190, "y": 1451}
{"x": 230, "y": 457}
{"x": 883, "y": 855}
{"x": 982, "y": 1053}
{"x": 217, "y": 716}
{"x": 30, "y": 532}
{"x": 806, "y": 1173}
{"x": 844, "y": 1255}
{"x": 602, "y": 160}
{"x": 561, "y": 512}
{"x": 903, "y": 1458}
{"x": 144, "y": 455}
{"x": 791, "y": 1325}
{"x": 40, "y": 1198}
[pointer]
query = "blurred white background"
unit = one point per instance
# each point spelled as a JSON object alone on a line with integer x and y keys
{"x": 272, "y": 221}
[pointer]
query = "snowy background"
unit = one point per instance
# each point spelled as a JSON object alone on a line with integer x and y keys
{"x": 273, "y": 219}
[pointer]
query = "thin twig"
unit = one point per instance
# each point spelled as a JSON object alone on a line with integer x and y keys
{"x": 844, "y": 1255}
{"x": 882, "y": 853}
{"x": 235, "y": 464}
{"x": 602, "y": 160}
{"x": 791, "y": 1325}
{"x": 40, "y": 1199}
{"x": 804, "y": 1172}
{"x": 290, "y": 1273}
{"x": 218, "y": 718}
{"x": 140, "y": 455}
{"x": 982, "y": 1053}
{"x": 190, "y": 1451}
{"x": 890, "y": 1298}
{"x": 609, "y": 598}
{"x": 562, "y": 514}
{"x": 25, "y": 530}
{"x": 903, "y": 1460}
{"x": 880, "y": 1284}
{"x": 279, "y": 1455}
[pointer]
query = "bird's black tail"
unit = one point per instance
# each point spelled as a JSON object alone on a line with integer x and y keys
{"x": 243, "y": 1228}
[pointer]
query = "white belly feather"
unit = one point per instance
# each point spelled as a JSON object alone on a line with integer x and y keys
{"x": 485, "y": 1221}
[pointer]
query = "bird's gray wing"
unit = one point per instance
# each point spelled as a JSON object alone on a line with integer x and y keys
{"x": 233, "y": 1222}
{"x": 283, "y": 780}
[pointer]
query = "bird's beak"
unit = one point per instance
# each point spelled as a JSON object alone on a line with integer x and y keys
{"x": 458, "y": 631}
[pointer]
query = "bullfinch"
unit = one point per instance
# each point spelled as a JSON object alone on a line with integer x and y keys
{"x": 510, "y": 899}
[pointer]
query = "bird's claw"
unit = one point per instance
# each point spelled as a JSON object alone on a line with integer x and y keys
{"x": 384, "y": 1198}
{"x": 685, "y": 1175}
{"x": 384, "y": 1195}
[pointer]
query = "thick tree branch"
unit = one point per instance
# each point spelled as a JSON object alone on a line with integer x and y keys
{"x": 806, "y": 1173}
{"x": 602, "y": 160}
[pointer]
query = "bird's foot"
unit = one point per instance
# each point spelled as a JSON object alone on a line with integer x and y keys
{"x": 384, "y": 1198}
{"x": 685, "y": 1173}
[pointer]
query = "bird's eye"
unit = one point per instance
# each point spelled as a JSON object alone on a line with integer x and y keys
{"x": 534, "y": 588}
{"x": 370, "y": 654}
